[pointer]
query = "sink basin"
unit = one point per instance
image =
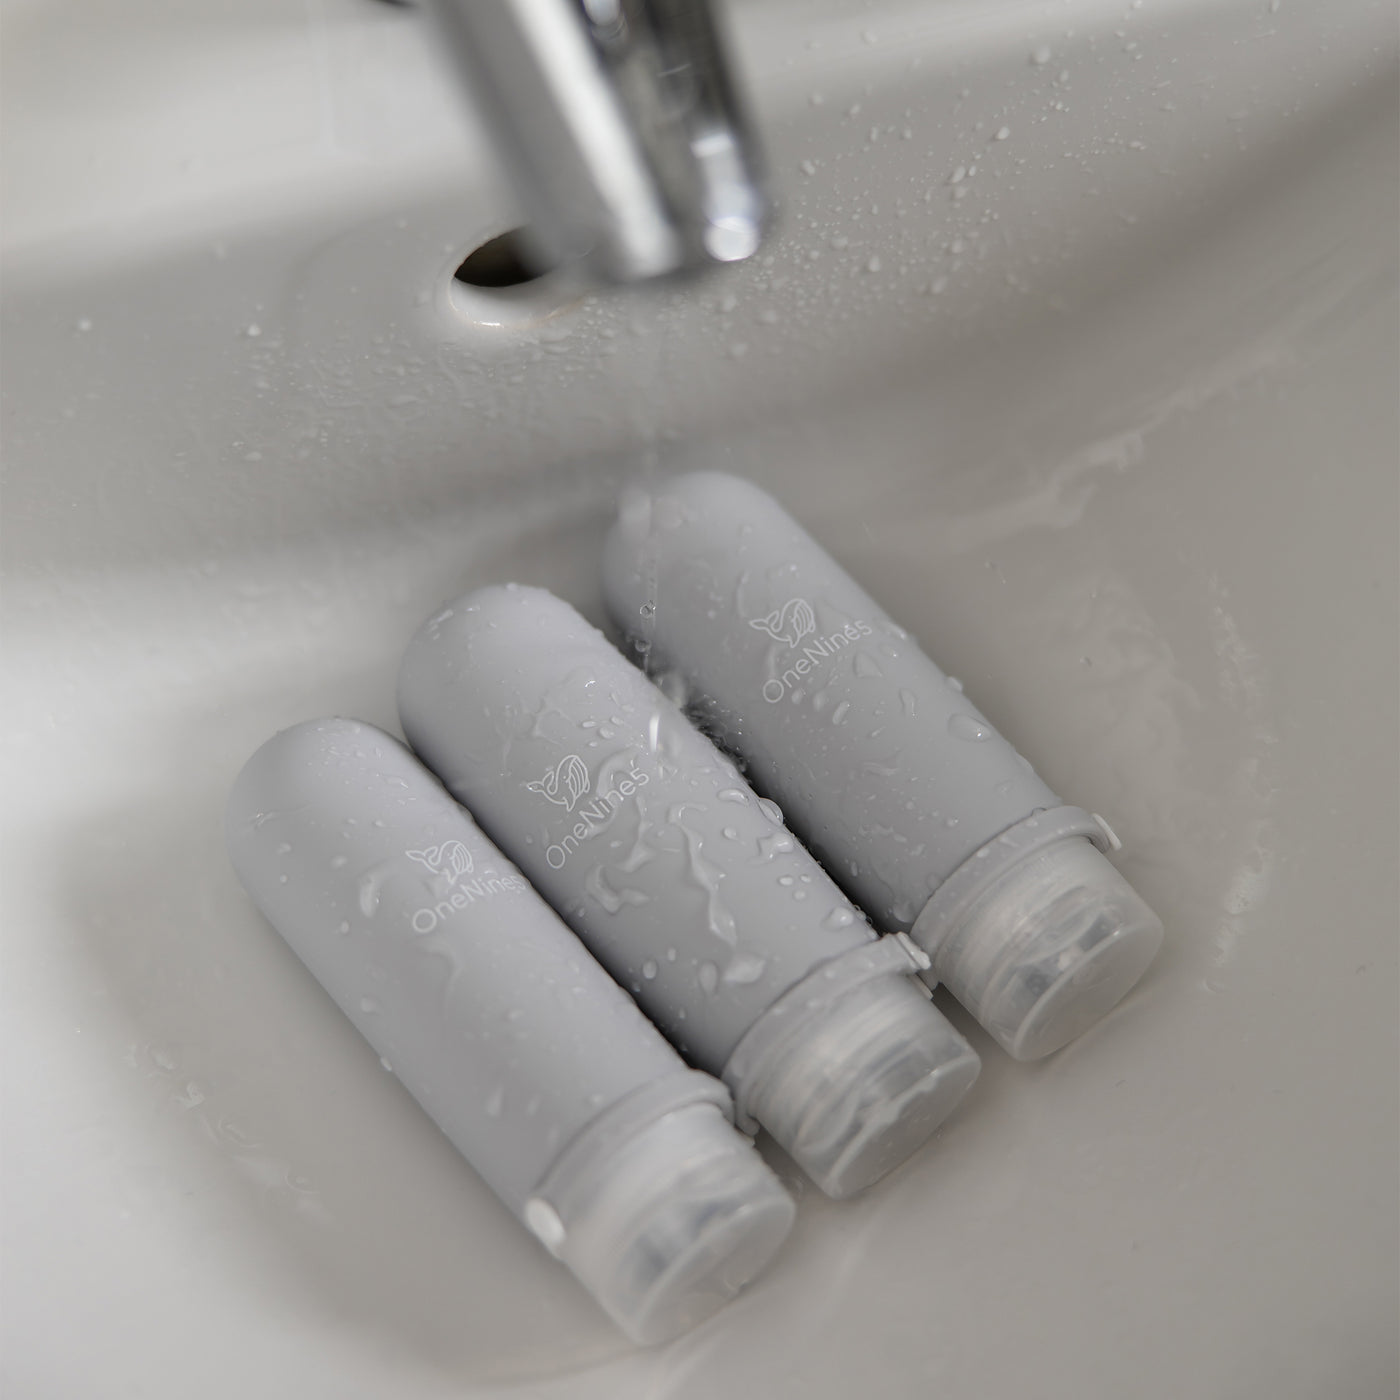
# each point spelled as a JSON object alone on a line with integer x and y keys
{"x": 1076, "y": 343}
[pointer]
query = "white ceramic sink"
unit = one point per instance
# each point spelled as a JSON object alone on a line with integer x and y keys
{"x": 1077, "y": 344}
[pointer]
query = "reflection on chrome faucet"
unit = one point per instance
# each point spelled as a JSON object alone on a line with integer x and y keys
{"x": 621, "y": 127}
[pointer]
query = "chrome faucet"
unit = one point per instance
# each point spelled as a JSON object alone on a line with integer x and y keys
{"x": 620, "y": 125}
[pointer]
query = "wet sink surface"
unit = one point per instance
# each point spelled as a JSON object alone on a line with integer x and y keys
{"x": 1129, "y": 473}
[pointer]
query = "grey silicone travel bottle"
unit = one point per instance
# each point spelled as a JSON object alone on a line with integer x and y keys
{"x": 685, "y": 885}
{"x": 535, "y": 1064}
{"x": 885, "y": 768}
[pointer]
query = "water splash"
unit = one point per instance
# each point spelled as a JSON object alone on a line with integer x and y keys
{"x": 613, "y": 900}
{"x": 707, "y": 876}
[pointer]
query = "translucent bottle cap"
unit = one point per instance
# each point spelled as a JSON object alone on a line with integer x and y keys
{"x": 860, "y": 1082}
{"x": 1049, "y": 946}
{"x": 684, "y": 1214}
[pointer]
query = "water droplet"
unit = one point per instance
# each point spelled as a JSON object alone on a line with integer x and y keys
{"x": 369, "y": 895}
{"x": 368, "y": 1005}
{"x": 954, "y": 684}
{"x": 709, "y": 976}
{"x": 779, "y": 843}
{"x": 545, "y": 1224}
{"x": 744, "y": 968}
{"x": 84, "y": 325}
{"x": 771, "y": 810}
{"x": 649, "y": 969}
{"x": 962, "y": 726}
{"x": 733, "y": 795}
{"x": 385, "y": 1064}
{"x": 840, "y": 917}
{"x": 343, "y": 927}
{"x": 339, "y": 862}
{"x": 910, "y": 701}
{"x": 1003, "y": 134}
{"x": 883, "y": 770}
{"x": 1042, "y": 56}
{"x": 865, "y": 665}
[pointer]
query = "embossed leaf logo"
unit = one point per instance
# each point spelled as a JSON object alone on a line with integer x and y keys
{"x": 451, "y": 859}
{"x": 565, "y": 783}
{"x": 789, "y": 623}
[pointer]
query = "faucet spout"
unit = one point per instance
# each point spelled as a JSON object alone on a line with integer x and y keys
{"x": 621, "y": 127}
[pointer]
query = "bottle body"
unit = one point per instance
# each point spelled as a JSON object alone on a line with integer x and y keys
{"x": 683, "y": 883}
{"x": 830, "y": 701}
{"x": 485, "y": 1006}
{"x": 886, "y": 769}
